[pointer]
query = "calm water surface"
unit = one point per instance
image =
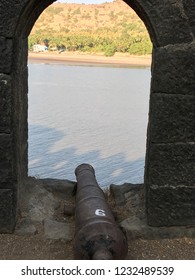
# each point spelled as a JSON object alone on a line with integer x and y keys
{"x": 96, "y": 115}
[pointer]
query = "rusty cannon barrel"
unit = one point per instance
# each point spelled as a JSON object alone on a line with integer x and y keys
{"x": 97, "y": 236}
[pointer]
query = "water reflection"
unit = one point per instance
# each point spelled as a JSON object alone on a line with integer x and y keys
{"x": 81, "y": 114}
{"x": 47, "y": 163}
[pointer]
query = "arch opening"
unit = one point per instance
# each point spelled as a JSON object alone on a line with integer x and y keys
{"x": 112, "y": 142}
{"x": 170, "y": 130}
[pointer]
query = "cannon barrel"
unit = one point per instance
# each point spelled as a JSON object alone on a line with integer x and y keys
{"x": 97, "y": 236}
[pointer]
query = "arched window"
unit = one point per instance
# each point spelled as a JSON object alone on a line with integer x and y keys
{"x": 87, "y": 108}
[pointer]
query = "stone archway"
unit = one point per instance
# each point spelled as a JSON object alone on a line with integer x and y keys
{"x": 169, "y": 169}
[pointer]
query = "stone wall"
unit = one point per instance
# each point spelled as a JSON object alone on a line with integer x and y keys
{"x": 170, "y": 155}
{"x": 170, "y": 160}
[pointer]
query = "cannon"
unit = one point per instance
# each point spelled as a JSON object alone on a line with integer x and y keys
{"x": 97, "y": 235}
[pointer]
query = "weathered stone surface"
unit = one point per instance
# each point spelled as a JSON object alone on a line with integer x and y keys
{"x": 171, "y": 164}
{"x": 7, "y": 210}
{"x": 58, "y": 230}
{"x": 173, "y": 118}
{"x": 6, "y": 160}
{"x": 42, "y": 204}
{"x": 25, "y": 227}
{"x": 5, "y": 104}
{"x": 171, "y": 205}
{"x": 20, "y": 90}
{"x": 127, "y": 190}
{"x": 6, "y": 49}
{"x": 41, "y": 199}
{"x": 173, "y": 69}
{"x": 189, "y": 8}
{"x": 62, "y": 188}
{"x": 9, "y": 14}
{"x": 20, "y": 57}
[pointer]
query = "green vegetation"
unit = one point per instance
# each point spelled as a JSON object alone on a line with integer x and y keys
{"x": 102, "y": 29}
{"x": 92, "y": 43}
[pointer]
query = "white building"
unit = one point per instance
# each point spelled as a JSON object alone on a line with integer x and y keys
{"x": 39, "y": 48}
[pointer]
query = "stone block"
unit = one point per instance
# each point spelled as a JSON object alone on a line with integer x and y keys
{"x": 61, "y": 188}
{"x": 6, "y": 49}
{"x": 171, "y": 205}
{"x": 5, "y": 104}
{"x": 127, "y": 190}
{"x": 171, "y": 164}
{"x": 189, "y": 8}
{"x": 25, "y": 227}
{"x": 7, "y": 210}
{"x": 6, "y": 160}
{"x": 10, "y": 11}
{"x": 173, "y": 118}
{"x": 173, "y": 69}
{"x": 169, "y": 22}
{"x": 41, "y": 204}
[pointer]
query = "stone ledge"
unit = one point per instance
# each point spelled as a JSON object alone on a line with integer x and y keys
{"x": 130, "y": 197}
{"x": 42, "y": 209}
{"x": 136, "y": 228}
{"x": 127, "y": 201}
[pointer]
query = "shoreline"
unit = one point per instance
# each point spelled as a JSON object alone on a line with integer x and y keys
{"x": 120, "y": 60}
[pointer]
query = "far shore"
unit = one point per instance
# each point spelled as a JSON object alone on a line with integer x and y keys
{"x": 121, "y": 60}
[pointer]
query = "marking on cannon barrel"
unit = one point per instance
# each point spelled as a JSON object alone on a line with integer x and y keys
{"x": 100, "y": 212}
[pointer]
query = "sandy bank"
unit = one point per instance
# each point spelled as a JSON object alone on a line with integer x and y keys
{"x": 89, "y": 59}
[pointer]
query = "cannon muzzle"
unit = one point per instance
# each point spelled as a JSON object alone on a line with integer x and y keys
{"x": 97, "y": 235}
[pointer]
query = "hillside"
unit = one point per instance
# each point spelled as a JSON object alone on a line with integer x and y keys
{"x": 107, "y": 27}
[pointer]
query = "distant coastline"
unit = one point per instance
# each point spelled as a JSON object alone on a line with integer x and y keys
{"x": 75, "y": 58}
